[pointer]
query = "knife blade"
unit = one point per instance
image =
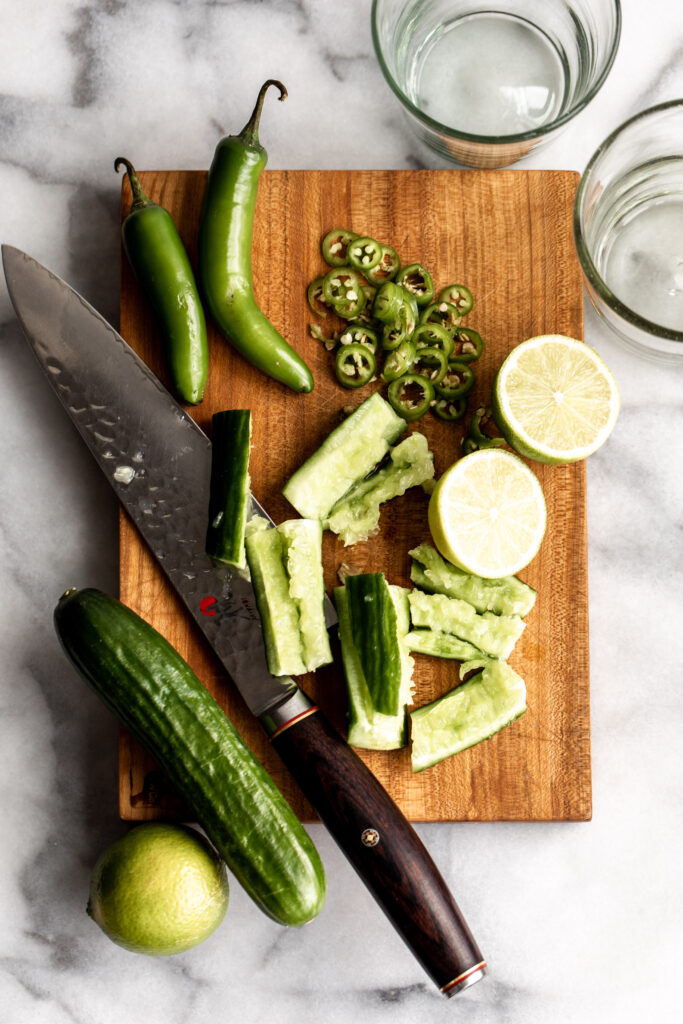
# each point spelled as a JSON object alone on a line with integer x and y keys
{"x": 158, "y": 462}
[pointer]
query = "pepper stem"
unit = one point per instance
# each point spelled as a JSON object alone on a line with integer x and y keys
{"x": 139, "y": 197}
{"x": 249, "y": 134}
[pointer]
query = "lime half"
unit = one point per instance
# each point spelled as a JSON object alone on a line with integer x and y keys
{"x": 160, "y": 889}
{"x": 487, "y": 514}
{"x": 554, "y": 400}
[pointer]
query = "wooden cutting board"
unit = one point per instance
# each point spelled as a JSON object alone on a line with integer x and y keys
{"x": 507, "y": 235}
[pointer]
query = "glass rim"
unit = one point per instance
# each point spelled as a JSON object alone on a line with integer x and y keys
{"x": 586, "y": 260}
{"x": 488, "y": 140}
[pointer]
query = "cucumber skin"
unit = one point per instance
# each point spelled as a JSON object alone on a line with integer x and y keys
{"x": 157, "y": 696}
{"x": 229, "y": 487}
{"x": 505, "y": 596}
{"x": 372, "y": 615}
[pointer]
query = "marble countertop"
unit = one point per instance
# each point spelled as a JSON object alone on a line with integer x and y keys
{"x": 580, "y": 922}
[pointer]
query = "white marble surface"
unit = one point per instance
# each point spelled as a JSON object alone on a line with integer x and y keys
{"x": 581, "y": 923}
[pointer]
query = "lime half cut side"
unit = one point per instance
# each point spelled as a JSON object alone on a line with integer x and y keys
{"x": 554, "y": 400}
{"x": 487, "y": 514}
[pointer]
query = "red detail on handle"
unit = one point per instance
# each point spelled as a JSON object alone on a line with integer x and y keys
{"x": 296, "y": 718}
{"x": 206, "y": 605}
{"x": 461, "y": 977}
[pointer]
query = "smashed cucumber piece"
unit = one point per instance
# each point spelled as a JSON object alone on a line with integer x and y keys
{"x": 369, "y": 728}
{"x": 349, "y": 453}
{"x": 286, "y": 571}
{"x": 440, "y": 645}
{"x": 302, "y": 548}
{"x": 505, "y": 596}
{"x": 492, "y": 634}
{"x": 279, "y": 614}
{"x": 469, "y": 714}
{"x": 356, "y": 516}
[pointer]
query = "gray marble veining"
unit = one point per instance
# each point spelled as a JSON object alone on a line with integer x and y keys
{"x": 581, "y": 923}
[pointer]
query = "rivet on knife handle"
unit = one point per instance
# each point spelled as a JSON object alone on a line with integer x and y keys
{"x": 383, "y": 847}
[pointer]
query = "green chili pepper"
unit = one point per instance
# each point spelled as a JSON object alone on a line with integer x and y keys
{"x": 161, "y": 265}
{"x": 354, "y": 365}
{"x": 450, "y": 410}
{"x": 225, "y": 238}
{"x": 387, "y": 302}
{"x": 411, "y": 396}
{"x": 475, "y": 438}
{"x": 431, "y": 363}
{"x": 342, "y": 289}
{"x": 433, "y": 336}
{"x": 316, "y": 300}
{"x": 443, "y": 313}
{"x": 387, "y": 268}
{"x": 335, "y": 245}
{"x": 360, "y": 334}
{"x": 459, "y": 296}
{"x": 364, "y": 253}
{"x": 468, "y": 344}
{"x": 457, "y": 382}
{"x": 418, "y": 281}
{"x": 399, "y": 361}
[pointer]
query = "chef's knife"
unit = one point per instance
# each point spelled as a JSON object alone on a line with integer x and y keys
{"x": 158, "y": 462}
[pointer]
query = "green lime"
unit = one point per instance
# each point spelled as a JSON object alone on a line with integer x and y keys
{"x": 554, "y": 400}
{"x": 160, "y": 889}
{"x": 487, "y": 514}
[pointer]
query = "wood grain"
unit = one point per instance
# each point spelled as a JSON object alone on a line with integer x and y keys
{"x": 507, "y": 235}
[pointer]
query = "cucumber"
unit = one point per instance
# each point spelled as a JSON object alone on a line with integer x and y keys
{"x": 472, "y": 712}
{"x": 229, "y": 489}
{"x": 440, "y": 645}
{"x": 355, "y": 516}
{"x": 302, "y": 548}
{"x": 279, "y": 614}
{"x": 494, "y": 635}
{"x": 367, "y": 728}
{"x": 372, "y": 615}
{"x": 154, "y": 692}
{"x": 348, "y": 453}
{"x": 505, "y": 596}
{"x": 399, "y": 597}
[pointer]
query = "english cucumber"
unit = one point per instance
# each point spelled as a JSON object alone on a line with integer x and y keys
{"x": 229, "y": 496}
{"x": 440, "y": 645}
{"x": 506, "y": 596}
{"x": 302, "y": 550}
{"x": 492, "y": 634}
{"x": 348, "y": 453}
{"x": 154, "y": 692}
{"x": 278, "y": 611}
{"x": 472, "y": 712}
{"x": 374, "y": 629}
{"x": 356, "y": 515}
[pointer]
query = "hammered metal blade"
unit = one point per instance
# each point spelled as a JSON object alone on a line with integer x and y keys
{"x": 155, "y": 457}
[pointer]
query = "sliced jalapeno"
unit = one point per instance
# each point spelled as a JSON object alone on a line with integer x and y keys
{"x": 364, "y": 253}
{"x": 399, "y": 361}
{"x": 433, "y": 336}
{"x": 418, "y": 281}
{"x": 443, "y": 313}
{"x": 354, "y": 365}
{"x": 450, "y": 410}
{"x": 431, "y": 363}
{"x": 342, "y": 289}
{"x": 411, "y": 396}
{"x": 459, "y": 295}
{"x": 334, "y": 246}
{"x": 360, "y": 334}
{"x": 468, "y": 344}
{"x": 476, "y": 439}
{"x": 387, "y": 303}
{"x": 387, "y": 268}
{"x": 316, "y": 299}
{"x": 410, "y": 311}
{"x": 457, "y": 382}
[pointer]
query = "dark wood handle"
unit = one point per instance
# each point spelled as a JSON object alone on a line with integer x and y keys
{"x": 383, "y": 847}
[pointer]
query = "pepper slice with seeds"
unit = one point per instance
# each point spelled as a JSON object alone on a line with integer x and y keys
{"x": 418, "y": 281}
{"x": 411, "y": 396}
{"x": 335, "y": 245}
{"x": 364, "y": 253}
{"x": 354, "y": 365}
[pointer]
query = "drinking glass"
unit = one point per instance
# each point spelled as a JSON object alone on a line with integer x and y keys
{"x": 628, "y": 227}
{"x": 483, "y": 82}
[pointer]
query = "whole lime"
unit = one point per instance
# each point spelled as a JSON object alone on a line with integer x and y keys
{"x": 158, "y": 890}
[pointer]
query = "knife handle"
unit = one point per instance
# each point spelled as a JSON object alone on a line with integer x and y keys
{"x": 383, "y": 847}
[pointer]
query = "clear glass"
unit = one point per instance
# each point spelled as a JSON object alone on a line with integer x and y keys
{"x": 483, "y": 83}
{"x": 628, "y": 227}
